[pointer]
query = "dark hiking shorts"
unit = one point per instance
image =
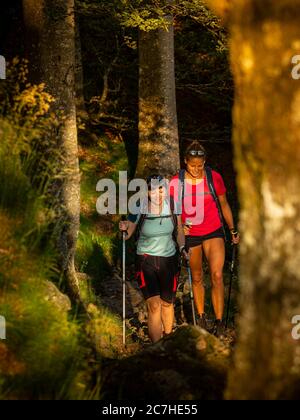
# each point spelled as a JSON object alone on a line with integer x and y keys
{"x": 192, "y": 241}
{"x": 157, "y": 276}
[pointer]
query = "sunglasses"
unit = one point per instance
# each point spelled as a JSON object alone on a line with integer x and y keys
{"x": 155, "y": 177}
{"x": 196, "y": 153}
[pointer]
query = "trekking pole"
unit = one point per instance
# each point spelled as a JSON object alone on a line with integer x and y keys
{"x": 191, "y": 292}
{"x": 232, "y": 265}
{"x": 124, "y": 281}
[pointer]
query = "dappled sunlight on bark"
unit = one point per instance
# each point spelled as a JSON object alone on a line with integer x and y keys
{"x": 267, "y": 154}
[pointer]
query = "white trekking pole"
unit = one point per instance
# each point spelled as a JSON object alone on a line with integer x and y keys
{"x": 188, "y": 224}
{"x": 124, "y": 282}
{"x": 124, "y": 289}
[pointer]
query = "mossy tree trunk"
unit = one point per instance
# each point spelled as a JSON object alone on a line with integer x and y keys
{"x": 50, "y": 28}
{"x": 264, "y": 37}
{"x": 158, "y": 131}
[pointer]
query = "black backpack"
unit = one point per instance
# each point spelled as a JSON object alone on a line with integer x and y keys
{"x": 210, "y": 183}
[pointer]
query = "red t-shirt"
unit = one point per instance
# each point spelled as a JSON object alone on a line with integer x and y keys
{"x": 199, "y": 209}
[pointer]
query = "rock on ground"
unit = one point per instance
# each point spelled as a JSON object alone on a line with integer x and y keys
{"x": 189, "y": 364}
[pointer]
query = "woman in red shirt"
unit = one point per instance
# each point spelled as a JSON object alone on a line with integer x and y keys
{"x": 204, "y": 230}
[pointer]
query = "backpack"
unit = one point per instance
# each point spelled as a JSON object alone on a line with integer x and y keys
{"x": 210, "y": 183}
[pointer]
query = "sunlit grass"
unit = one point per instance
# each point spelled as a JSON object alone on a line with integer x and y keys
{"x": 49, "y": 352}
{"x": 106, "y": 328}
{"x": 43, "y": 352}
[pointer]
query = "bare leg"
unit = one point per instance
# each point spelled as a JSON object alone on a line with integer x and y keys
{"x": 167, "y": 316}
{"x": 154, "y": 318}
{"x": 214, "y": 250}
{"x": 197, "y": 274}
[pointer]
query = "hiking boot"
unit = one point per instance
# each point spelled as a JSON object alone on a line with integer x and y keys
{"x": 201, "y": 321}
{"x": 219, "y": 329}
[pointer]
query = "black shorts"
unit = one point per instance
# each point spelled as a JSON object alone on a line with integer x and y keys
{"x": 192, "y": 241}
{"x": 157, "y": 276}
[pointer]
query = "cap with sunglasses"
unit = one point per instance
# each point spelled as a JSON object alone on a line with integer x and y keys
{"x": 196, "y": 153}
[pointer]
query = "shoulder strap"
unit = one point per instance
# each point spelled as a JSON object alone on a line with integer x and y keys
{"x": 181, "y": 186}
{"x": 181, "y": 176}
{"x": 174, "y": 219}
{"x": 210, "y": 183}
{"x": 140, "y": 225}
{"x": 172, "y": 208}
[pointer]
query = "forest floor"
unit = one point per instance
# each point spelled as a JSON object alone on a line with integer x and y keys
{"x": 111, "y": 296}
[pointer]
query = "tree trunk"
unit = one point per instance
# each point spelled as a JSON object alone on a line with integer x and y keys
{"x": 264, "y": 38}
{"x": 158, "y": 131}
{"x": 51, "y": 29}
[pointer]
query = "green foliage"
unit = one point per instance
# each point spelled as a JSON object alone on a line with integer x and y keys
{"x": 106, "y": 328}
{"x": 145, "y": 15}
{"x": 41, "y": 341}
{"x": 95, "y": 252}
{"x": 22, "y": 103}
{"x": 96, "y": 247}
{"x": 43, "y": 353}
{"x": 149, "y": 15}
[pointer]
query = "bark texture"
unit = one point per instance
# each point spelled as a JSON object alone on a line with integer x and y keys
{"x": 264, "y": 38}
{"x": 50, "y": 29}
{"x": 158, "y": 131}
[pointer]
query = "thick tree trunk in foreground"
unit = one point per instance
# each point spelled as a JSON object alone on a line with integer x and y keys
{"x": 51, "y": 29}
{"x": 264, "y": 38}
{"x": 158, "y": 131}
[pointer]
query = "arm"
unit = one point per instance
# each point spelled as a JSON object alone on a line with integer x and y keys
{"x": 227, "y": 213}
{"x": 226, "y": 210}
{"x": 181, "y": 239}
{"x": 129, "y": 227}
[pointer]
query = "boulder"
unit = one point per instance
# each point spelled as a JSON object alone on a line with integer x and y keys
{"x": 186, "y": 365}
{"x": 55, "y": 296}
